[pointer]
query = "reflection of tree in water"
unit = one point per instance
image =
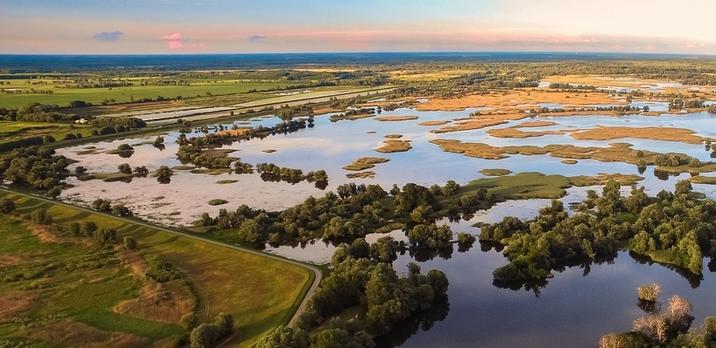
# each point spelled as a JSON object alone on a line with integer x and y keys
{"x": 422, "y": 321}
{"x": 693, "y": 279}
{"x": 422, "y": 255}
{"x": 536, "y": 285}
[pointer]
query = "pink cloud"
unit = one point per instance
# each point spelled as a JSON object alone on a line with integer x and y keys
{"x": 174, "y": 41}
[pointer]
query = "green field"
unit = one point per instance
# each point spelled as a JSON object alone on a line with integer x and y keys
{"x": 81, "y": 298}
{"x": 62, "y": 96}
{"x": 11, "y": 130}
{"x": 259, "y": 292}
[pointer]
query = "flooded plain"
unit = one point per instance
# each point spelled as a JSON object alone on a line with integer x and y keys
{"x": 574, "y": 308}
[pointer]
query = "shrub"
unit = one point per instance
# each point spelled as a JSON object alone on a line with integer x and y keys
{"x": 130, "y": 243}
{"x": 7, "y": 206}
{"x": 649, "y": 292}
{"x": 41, "y": 217}
{"x": 106, "y": 237}
{"x": 89, "y": 227}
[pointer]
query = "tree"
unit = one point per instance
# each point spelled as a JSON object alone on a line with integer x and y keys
{"x": 106, "y": 237}
{"x": 41, "y": 217}
{"x": 250, "y": 232}
{"x": 7, "y": 206}
{"x": 451, "y": 188}
{"x": 164, "y": 174}
{"x": 284, "y": 337}
{"x": 121, "y": 210}
{"x": 130, "y": 243}
{"x": 384, "y": 249}
{"x": 124, "y": 168}
{"x": 89, "y": 227}
{"x": 465, "y": 239}
{"x": 683, "y": 187}
{"x": 75, "y": 228}
{"x": 438, "y": 281}
{"x": 102, "y": 205}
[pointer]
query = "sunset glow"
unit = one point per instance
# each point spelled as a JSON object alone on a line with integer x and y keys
{"x": 222, "y": 26}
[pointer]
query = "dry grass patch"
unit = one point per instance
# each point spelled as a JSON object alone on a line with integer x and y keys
{"x": 395, "y": 118}
{"x": 365, "y": 163}
{"x": 480, "y": 121}
{"x": 76, "y": 334}
{"x": 512, "y": 132}
{"x": 433, "y": 123}
{"x": 361, "y": 175}
{"x": 620, "y": 152}
{"x": 11, "y": 260}
{"x": 652, "y": 133}
{"x": 515, "y": 99}
{"x": 234, "y": 132}
{"x": 12, "y": 304}
{"x": 532, "y": 124}
{"x": 394, "y": 145}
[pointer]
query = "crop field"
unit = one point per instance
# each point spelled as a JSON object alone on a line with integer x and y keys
{"x": 17, "y": 93}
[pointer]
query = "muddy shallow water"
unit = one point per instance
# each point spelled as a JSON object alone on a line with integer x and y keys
{"x": 574, "y": 309}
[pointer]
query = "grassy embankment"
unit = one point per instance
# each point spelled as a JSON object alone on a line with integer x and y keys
{"x": 260, "y": 292}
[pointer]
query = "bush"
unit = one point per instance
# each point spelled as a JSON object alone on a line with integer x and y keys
{"x": 41, "y": 217}
{"x": 75, "y": 228}
{"x": 649, "y": 292}
{"x": 130, "y": 243}
{"x": 7, "y": 206}
{"x": 89, "y": 227}
{"x": 106, "y": 237}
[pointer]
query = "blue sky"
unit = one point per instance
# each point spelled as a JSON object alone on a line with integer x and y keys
{"x": 183, "y": 26}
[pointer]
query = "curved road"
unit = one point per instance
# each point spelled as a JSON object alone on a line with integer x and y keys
{"x": 315, "y": 270}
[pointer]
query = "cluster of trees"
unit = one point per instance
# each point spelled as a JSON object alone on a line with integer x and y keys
{"x": 352, "y": 212}
{"x": 614, "y": 108}
{"x": 348, "y": 114}
{"x": 287, "y": 113}
{"x": 272, "y": 172}
{"x": 208, "y": 335}
{"x": 358, "y": 280}
{"x": 570, "y": 86}
{"x": 106, "y": 206}
{"x": 198, "y": 150}
{"x": 673, "y": 160}
{"x": 37, "y": 112}
{"x": 680, "y": 104}
{"x": 674, "y": 228}
{"x": 34, "y": 167}
{"x": 112, "y": 125}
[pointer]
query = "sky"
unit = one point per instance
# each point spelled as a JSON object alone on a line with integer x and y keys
{"x": 259, "y": 26}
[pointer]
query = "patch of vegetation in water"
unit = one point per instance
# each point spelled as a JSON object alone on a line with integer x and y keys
{"x": 605, "y": 224}
{"x": 227, "y": 181}
{"x": 495, "y": 172}
{"x": 365, "y": 163}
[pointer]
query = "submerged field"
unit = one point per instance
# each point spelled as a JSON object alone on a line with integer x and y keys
{"x": 505, "y": 140}
{"x": 563, "y": 155}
